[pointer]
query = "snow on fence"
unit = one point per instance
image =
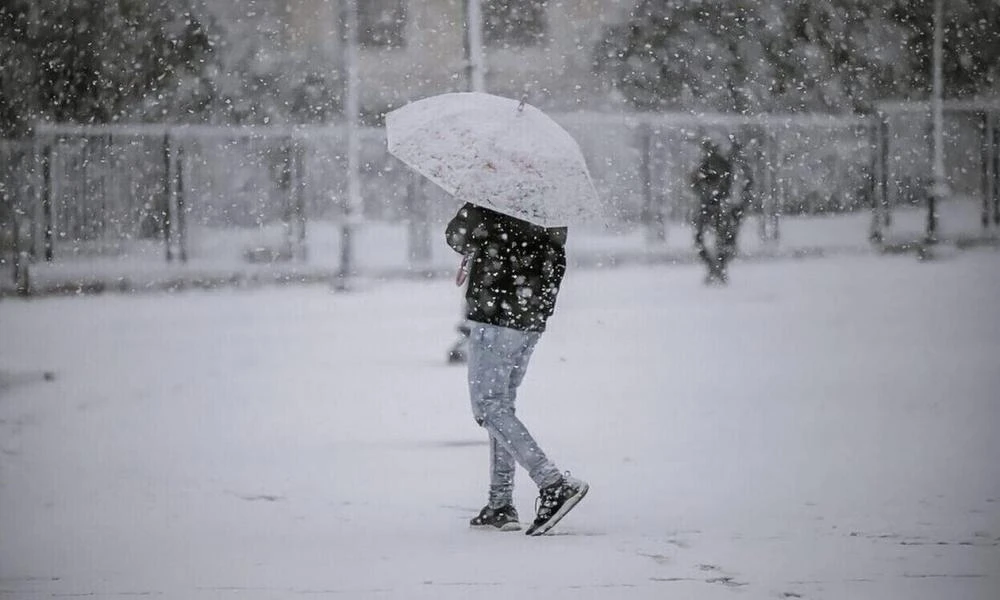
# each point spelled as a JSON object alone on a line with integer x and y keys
{"x": 183, "y": 190}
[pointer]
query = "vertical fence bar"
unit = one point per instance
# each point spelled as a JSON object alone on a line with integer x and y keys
{"x": 937, "y": 106}
{"x": 47, "y": 220}
{"x": 165, "y": 214}
{"x": 67, "y": 183}
{"x": 876, "y": 235}
{"x": 986, "y": 165}
{"x": 883, "y": 157}
{"x": 22, "y": 278}
{"x": 645, "y": 180}
{"x": 34, "y": 214}
{"x": 352, "y": 113}
{"x": 296, "y": 218}
{"x": 112, "y": 217}
{"x": 286, "y": 184}
{"x": 778, "y": 191}
{"x": 293, "y": 216}
{"x": 300, "y": 199}
{"x": 181, "y": 217}
{"x": 652, "y": 205}
{"x": 15, "y": 197}
{"x": 764, "y": 185}
{"x": 996, "y": 168}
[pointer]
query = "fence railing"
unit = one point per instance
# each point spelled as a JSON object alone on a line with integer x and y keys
{"x": 109, "y": 189}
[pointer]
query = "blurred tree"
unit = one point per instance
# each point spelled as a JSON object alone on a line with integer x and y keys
{"x": 102, "y": 61}
{"x": 797, "y": 55}
{"x": 91, "y": 60}
{"x": 257, "y": 72}
{"x": 971, "y": 62}
{"x": 835, "y": 55}
{"x": 668, "y": 55}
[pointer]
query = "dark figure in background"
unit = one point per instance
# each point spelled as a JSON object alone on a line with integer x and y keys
{"x": 712, "y": 182}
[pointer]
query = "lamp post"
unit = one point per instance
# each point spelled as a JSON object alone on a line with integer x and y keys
{"x": 939, "y": 187}
{"x": 475, "y": 59}
{"x": 352, "y": 110}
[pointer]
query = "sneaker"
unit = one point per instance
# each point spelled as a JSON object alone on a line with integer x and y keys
{"x": 555, "y": 501}
{"x": 504, "y": 518}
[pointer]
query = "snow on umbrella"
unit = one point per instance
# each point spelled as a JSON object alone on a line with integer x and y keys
{"x": 498, "y": 153}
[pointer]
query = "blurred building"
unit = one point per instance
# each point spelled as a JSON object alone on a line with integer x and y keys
{"x": 415, "y": 48}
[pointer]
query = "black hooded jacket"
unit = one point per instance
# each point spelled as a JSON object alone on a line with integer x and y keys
{"x": 516, "y": 270}
{"x": 712, "y": 179}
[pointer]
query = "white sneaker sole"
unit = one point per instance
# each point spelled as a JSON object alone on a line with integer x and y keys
{"x": 563, "y": 510}
{"x": 504, "y": 527}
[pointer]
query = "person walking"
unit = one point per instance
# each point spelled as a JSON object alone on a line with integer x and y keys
{"x": 711, "y": 182}
{"x": 515, "y": 270}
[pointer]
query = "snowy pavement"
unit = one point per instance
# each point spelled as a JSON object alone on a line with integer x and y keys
{"x": 819, "y": 429}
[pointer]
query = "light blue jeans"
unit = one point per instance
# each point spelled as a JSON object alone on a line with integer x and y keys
{"x": 498, "y": 357}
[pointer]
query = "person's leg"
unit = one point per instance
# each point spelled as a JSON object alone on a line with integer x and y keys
{"x": 707, "y": 219}
{"x": 700, "y": 221}
{"x": 498, "y": 357}
{"x": 732, "y": 229}
{"x": 722, "y": 239}
{"x": 502, "y": 462}
{"x": 502, "y": 465}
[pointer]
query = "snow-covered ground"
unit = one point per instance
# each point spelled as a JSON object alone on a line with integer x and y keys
{"x": 819, "y": 429}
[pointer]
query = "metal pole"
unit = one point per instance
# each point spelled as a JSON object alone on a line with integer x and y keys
{"x": 286, "y": 183}
{"x": 22, "y": 279}
{"x": 474, "y": 54}
{"x": 996, "y": 169}
{"x": 181, "y": 216}
{"x": 876, "y": 235}
{"x": 167, "y": 193}
{"x": 21, "y": 255}
{"x": 883, "y": 157}
{"x": 938, "y": 190}
{"x": 987, "y": 164}
{"x": 352, "y": 110}
{"x": 777, "y": 199}
{"x": 48, "y": 223}
{"x": 652, "y": 211}
{"x": 300, "y": 199}
{"x": 295, "y": 228}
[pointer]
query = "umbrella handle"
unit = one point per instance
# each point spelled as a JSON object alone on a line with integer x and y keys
{"x": 463, "y": 270}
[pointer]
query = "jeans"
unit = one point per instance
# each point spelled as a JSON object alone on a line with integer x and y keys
{"x": 725, "y": 222}
{"x": 498, "y": 357}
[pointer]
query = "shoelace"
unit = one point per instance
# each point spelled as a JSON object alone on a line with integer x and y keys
{"x": 546, "y": 501}
{"x": 543, "y": 506}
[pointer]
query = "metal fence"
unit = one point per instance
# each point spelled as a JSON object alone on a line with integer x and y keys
{"x": 903, "y": 159}
{"x": 123, "y": 189}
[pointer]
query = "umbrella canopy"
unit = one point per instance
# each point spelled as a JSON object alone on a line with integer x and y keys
{"x": 498, "y": 153}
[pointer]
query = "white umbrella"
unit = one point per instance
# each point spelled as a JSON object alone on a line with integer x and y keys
{"x": 498, "y": 153}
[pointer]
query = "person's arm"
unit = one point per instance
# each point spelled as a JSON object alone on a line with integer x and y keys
{"x": 466, "y": 230}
